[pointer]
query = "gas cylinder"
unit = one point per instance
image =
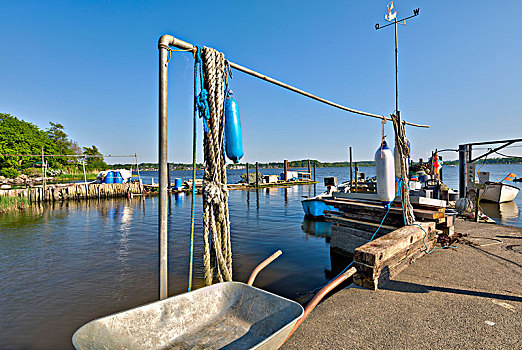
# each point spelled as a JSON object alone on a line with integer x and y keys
{"x": 385, "y": 175}
{"x": 233, "y": 136}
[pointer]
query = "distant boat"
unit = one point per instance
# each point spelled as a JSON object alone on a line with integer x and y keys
{"x": 498, "y": 192}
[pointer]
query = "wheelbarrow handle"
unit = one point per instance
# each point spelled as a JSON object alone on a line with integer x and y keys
{"x": 322, "y": 293}
{"x": 262, "y": 266}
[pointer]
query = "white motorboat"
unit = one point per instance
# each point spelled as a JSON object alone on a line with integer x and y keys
{"x": 498, "y": 192}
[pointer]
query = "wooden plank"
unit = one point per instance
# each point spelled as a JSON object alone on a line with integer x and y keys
{"x": 383, "y": 248}
{"x": 339, "y": 218}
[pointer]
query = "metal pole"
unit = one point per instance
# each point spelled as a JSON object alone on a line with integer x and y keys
{"x": 137, "y": 166}
{"x": 163, "y": 171}
{"x": 85, "y": 176}
{"x": 43, "y": 171}
{"x": 462, "y": 170}
{"x": 169, "y": 40}
{"x": 396, "y": 71}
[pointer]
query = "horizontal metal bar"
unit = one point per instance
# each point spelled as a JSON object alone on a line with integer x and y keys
{"x": 389, "y": 24}
{"x": 492, "y": 151}
{"x": 169, "y": 40}
{"x": 492, "y": 142}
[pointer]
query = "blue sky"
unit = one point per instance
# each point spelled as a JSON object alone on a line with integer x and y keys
{"x": 93, "y": 66}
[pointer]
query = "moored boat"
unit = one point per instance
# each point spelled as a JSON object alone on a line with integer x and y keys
{"x": 498, "y": 192}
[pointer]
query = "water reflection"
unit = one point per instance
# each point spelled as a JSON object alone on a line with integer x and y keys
{"x": 508, "y": 211}
{"x": 317, "y": 228}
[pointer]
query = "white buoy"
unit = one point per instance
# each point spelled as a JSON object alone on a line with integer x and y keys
{"x": 385, "y": 175}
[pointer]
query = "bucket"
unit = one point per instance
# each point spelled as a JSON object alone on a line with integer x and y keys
{"x": 178, "y": 183}
{"x": 109, "y": 178}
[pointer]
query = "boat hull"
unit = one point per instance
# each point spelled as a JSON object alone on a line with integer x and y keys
{"x": 499, "y": 192}
{"x": 315, "y": 207}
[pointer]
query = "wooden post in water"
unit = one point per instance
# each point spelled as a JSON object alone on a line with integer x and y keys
{"x": 314, "y": 170}
{"x": 168, "y": 176}
{"x": 309, "y": 167}
{"x": 351, "y": 172}
{"x": 247, "y": 176}
{"x": 257, "y": 175}
{"x": 285, "y": 169}
{"x": 356, "y": 178}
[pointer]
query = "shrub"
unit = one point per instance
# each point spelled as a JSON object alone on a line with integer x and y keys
{"x": 10, "y": 173}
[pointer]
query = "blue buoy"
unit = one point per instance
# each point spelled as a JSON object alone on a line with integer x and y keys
{"x": 109, "y": 178}
{"x": 178, "y": 183}
{"x": 233, "y": 135}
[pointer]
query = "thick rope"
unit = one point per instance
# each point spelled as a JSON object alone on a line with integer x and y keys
{"x": 401, "y": 145}
{"x": 215, "y": 193}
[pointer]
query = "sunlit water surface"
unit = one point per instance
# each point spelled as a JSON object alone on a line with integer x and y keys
{"x": 64, "y": 264}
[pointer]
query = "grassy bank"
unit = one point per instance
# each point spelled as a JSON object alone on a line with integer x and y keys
{"x": 10, "y": 203}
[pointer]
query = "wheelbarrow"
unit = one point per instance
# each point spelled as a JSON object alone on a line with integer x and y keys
{"x": 228, "y": 315}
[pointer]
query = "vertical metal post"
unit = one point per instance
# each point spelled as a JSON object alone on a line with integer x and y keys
{"x": 43, "y": 172}
{"x": 351, "y": 172}
{"x": 257, "y": 175}
{"x": 396, "y": 71}
{"x": 162, "y": 151}
{"x": 462, "y": 170}
{"x": 248, "y": 176}
{"x": 85, "y": 177}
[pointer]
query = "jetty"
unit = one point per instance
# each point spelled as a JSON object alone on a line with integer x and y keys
{"x": 61, "y": 192}
{"x": 469, "y": 297}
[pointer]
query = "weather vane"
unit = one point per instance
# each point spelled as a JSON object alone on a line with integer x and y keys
{"x": 391, "y": 16}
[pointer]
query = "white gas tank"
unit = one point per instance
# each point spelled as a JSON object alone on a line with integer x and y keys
{"x": 385, "y": 174}
{"x": 396, "y": 157}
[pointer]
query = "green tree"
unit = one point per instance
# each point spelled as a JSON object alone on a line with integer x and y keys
{"x": 94, "y": 163}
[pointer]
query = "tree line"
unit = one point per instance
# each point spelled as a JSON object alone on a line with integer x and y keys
{"x": 19, "y": 137}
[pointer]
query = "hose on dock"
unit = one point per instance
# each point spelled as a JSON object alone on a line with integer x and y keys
{"x": 319, "y": 296}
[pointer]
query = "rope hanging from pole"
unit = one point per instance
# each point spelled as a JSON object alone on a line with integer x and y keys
{"x": 401, "y": 144}
{"x": 216, "y": 225}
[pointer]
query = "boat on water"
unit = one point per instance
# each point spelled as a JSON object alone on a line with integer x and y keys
{"x": 499, "y": 192}
{"x": 315, "y": 206}
{"x": 496, "y": 192}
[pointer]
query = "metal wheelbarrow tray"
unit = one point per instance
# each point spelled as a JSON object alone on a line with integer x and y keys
{"x": 230, "y": 315}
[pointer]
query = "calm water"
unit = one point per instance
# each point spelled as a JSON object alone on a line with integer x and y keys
{"x": 65, "y": 264}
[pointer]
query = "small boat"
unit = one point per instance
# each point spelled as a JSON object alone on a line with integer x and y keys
{"x": 315, "y": 206}
{"x": 498, "y": 192}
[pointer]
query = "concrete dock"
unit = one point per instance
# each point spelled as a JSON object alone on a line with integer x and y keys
{"x": 467, "y": 298}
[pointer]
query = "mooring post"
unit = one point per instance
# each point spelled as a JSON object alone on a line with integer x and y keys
{"x": 168, "y": 177}
{"x": 285, "y": 169}
{"x": 462, "y": 170}
{"x": 351, "y": 172}
{"x": 309, "y": 168}
{"x": 257, "y": 175}
{"x": 247, "y": 176}
{"x": 163, "y": 171}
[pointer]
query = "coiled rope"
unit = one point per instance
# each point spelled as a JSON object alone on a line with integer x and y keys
{"x": 401, "y": 145}
{"x": 216, "y": 224}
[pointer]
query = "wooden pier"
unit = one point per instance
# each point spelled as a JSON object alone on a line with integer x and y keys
{"x": 61, "y": 192}
{"x": 395, "y": 246}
